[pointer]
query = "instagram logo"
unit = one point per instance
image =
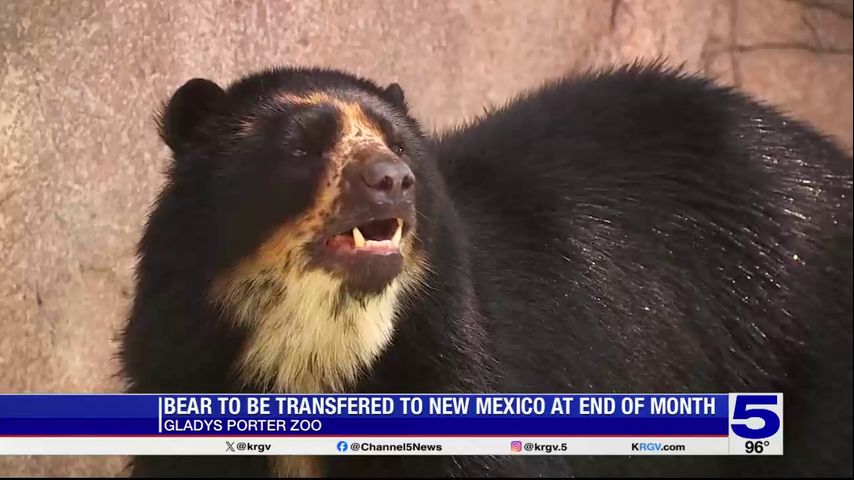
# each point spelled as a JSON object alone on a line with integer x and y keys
{"x": 516, "y": 446}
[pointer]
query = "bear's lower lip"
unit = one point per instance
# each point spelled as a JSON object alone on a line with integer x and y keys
{"x": 364, "y": 271}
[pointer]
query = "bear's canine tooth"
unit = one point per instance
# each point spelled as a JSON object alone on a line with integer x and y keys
{"x": 358, "y": 238}
{"x": 395, "y": 240}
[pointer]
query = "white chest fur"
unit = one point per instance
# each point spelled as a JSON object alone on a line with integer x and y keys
{"x": 310, "y": 338}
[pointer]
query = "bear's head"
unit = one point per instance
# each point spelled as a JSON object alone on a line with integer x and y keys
{"x": 310, "y": 182}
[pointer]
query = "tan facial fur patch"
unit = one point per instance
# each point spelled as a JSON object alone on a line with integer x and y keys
{"x": 305, "y": 335}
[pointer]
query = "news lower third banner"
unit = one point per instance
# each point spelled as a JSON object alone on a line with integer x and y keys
{"x": 453, "y": 424}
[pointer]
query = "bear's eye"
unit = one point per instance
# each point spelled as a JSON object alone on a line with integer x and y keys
{"x": 397, "y": 148}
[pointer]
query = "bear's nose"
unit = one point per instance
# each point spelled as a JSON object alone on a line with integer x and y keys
{"x": 386, "y": 178}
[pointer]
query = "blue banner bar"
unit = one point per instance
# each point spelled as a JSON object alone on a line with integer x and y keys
{"x": 342, "y": 415}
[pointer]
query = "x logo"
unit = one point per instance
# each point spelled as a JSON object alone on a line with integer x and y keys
{"x": 229, "y": 446}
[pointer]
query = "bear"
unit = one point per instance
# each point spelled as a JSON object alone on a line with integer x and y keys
{"x": 635, "y": 229}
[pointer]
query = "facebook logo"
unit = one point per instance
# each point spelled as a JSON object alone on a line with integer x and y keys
{"x": 342, "y": 446}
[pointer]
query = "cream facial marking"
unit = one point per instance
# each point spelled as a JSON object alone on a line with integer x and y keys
{"x": 305, "y": 335}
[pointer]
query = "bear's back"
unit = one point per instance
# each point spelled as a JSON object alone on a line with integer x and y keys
{"x": 646, "y": 231}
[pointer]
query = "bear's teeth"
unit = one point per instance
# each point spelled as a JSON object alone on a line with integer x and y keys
{"x": 395, "y": 240}
{"x": 378, "y": 244}
{"x": 358, "y": 238}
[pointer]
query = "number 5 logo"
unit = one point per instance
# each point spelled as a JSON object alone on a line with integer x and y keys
{"x": 748, "y": 407}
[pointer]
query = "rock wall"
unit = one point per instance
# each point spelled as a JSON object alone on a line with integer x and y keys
{"x": 80, "y": 80}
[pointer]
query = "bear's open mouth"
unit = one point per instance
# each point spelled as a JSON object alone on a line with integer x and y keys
{"x": 381, "y": 237}
{"x": 366, "y": 251}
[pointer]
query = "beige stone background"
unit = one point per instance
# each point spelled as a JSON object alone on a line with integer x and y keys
{"x": 80, "y": 80}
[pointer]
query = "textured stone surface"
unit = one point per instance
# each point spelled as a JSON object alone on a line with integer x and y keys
{"x": 80, "y": 80}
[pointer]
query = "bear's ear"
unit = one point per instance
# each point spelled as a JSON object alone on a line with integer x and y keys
{"x": 185, "y": 114}
{"x": 394, "y": 94}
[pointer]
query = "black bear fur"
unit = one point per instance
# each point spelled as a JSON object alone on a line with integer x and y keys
{"x": 637, "y": 229}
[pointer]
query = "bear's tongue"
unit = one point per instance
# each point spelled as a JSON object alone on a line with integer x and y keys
{"x": 378, "y": 236}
